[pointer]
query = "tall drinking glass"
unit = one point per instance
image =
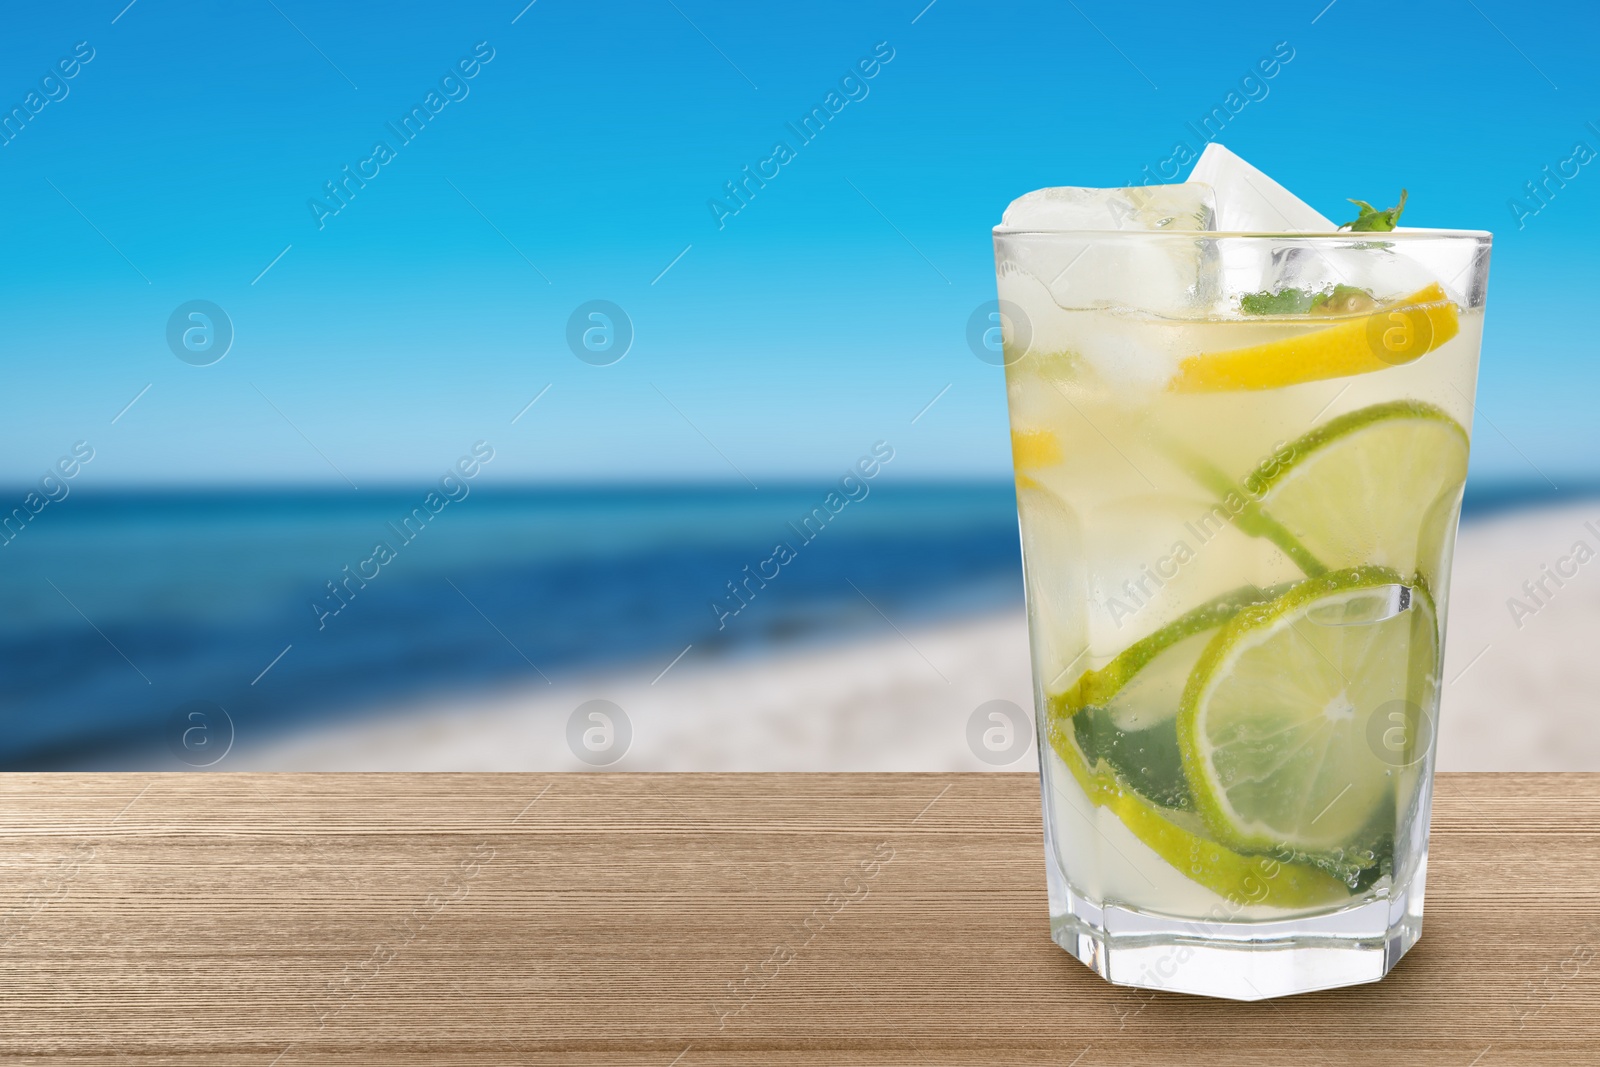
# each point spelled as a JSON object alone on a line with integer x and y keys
{"x": 1239, "y": 466}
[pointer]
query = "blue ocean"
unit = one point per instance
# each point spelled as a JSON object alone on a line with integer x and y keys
{"x": 274, "y": 604}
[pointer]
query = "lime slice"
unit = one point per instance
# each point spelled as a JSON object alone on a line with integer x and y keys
{"x": 1181, "y": 840}
{"x": 1138, "y": 682}
{"x": 1378, "y": 486}
{"x": 1249, "y": 517}
{"x": 1115, "y": 730}
{"x": 1275, "y": 724}
{"x": 1124, "y": 713}
{"x": 1397, "y": 333}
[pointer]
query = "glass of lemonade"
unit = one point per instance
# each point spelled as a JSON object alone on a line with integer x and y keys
{"x": 1239, "y": 464}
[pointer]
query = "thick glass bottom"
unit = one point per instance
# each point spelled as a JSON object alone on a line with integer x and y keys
{"x": 1238, "y": 960}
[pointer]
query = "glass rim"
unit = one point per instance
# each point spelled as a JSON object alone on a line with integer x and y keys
{"x": 1408, "y": 234}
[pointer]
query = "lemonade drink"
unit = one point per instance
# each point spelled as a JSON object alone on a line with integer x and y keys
{"x": 1237, "y": 512}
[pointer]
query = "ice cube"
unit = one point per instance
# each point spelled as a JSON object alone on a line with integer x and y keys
{"x": 1367, "y": 262}
{"x": 1093, "y": 272}
{"x": 1188, "y": 206}
{"x": 1250, "y": 202}
{"x": 1247, "y": 201}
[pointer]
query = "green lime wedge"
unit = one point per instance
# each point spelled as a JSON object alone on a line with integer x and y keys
{"x": 1375, "y": 487}
{"x": 1115, "y": 730}
{"x": 1128, "y": 675}
{"x": 1275, "y": 725}
{"x": 1241, "y": 504}
{"x": 1124, "y": 713}
{"x": 1181, "y": 840}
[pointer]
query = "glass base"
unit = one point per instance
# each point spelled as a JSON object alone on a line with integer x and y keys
{"x": 1238, "y": 960}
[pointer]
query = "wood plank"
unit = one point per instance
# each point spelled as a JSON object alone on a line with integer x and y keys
{"x": 258, "y": 919}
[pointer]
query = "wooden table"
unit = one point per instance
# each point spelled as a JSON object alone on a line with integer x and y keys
{"x": 259, "y": 919}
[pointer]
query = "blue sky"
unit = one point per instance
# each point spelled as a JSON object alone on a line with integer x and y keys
{"x": 579, "y": 165}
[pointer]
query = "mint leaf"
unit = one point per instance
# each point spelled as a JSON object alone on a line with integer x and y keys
{"x": 1371, "y": 220}
{"x": 1283, "y": 302}
{"x": 1332, "y": 300}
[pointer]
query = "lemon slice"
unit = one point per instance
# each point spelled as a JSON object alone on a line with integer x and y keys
{"x": 1031, "y": 449}
{"x": 1399, "y": 333}
{"x": 1377, "y": 486}
{"x": 1276, "y": 724}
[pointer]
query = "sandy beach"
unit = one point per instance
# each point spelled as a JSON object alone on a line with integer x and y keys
{"x": 1520, "y": 680}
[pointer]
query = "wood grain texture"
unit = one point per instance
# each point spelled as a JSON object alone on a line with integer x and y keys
{"x": 233, "y": 919}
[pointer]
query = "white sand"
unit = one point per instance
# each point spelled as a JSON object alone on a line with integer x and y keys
{"x": 1523, "y": 698}
{"x": 1514, "y": 699}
